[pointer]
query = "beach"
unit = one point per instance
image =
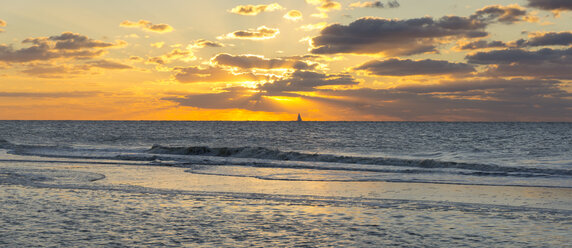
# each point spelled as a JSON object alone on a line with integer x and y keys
{"x": 56, "y": 196}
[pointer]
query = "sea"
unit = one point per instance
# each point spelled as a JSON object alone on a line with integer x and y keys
{"x": 286, "y": 184}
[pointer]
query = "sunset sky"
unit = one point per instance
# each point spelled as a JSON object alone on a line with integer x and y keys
{"x": 404, "y": 60}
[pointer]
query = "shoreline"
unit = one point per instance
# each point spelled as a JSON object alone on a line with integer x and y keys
{"x": 177, "y": 180}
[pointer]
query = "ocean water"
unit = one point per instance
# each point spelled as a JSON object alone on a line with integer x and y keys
{"x": 114, "y": 183}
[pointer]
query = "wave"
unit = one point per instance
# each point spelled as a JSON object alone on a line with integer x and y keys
{"x": 274, "y": 154}
{"x": 261, "y": 157}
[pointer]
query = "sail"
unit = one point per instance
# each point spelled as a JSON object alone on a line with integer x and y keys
{"x": 299, "y": 117}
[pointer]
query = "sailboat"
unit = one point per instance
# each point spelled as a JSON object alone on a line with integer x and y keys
{"x": 299, "y": 118}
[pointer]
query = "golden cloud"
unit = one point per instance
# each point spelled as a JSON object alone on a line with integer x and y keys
{"x": 253, "y": 10}
{"x": 147, "y": 26}
{"x": 293, "y": 15}
{"x": 261, "y": 33}
{"x": 325, "y": 5}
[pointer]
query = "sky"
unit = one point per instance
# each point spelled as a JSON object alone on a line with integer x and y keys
{"x": 329, "y": 60}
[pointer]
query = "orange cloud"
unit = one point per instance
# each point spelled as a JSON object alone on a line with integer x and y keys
{"x": 147, "y": 26}
{"x": 195, "y": 74}
{"x": 253, "y": 10}
{"x": 2, "y": 24}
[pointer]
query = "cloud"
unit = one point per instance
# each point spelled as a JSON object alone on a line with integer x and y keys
{"x": 412, "y": 36}
{"x": 195, "y": 74}
{"x": 175, "y": 54}
{"x": 481, "y": 44}
{"x": 158, "y": 44}
{"x": 508, "y": 56}
{"x": 55, "y": 71}
{"x": 464, "y": 100}
{"x": 108, "y": 64}
{"x": 67, "y": 45}
{"x": 325, "y": 5}
{"x": 536, "y": 39}
{"x": 261, "y": 33}
{"x": 73, "y": 41}
{"x": 253, "y": 10}
{"x": 307, "y": 81}
{"x": 253, "y": 61}
{"x": 293, "y": 15}
{"x": 52, "y": 70}
{"x": 549, "y": 39}
{"x": 558, "y": 5}
{"x": 545, "y": 70}
{"x": 392, "y": 37}
{"x": 70, "y": 94}
{"x": 2, "y": 24}
{"x": 407, "y": 67}
{"x": 468, "y": 100}
{"x": 147, "y": 26}
{"x": 316, "y": 26}
{"x": 504, "y": 14}
{"x": 230, "y": 98}
{"x": 544, "y": 63}
{"x": 374, "y": 4}
{"x": 206, "y": 43}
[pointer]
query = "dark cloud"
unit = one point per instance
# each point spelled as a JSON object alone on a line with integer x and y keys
{"x": 391, "y": 37}
{"x": 551, "y": 4}
{"x": 541, "y": 39}
{"x": 406, "y": 67}
{"x": 504, "y": 14}
{"x": 481, "y": 44}
{"x": 508, "y": 56}
{"x": 470, "y": 100}
{"x": 254, "y": 9}
{"x": 550, "y": 39}
{"x": 147, "y": 26}
{"x": 545, "y": 70}
{"x": 260, "y": 33}
{"x": 544, "y": 63}
{"x": 194, "y": 74}
{"x": 72, "y": 41}
{"x": 411, "y": 36}
{"x": 307, "y": 81}
{"x": 393, "y": 4}
{"x": 251, "y": 61}
{"x": 67, "y": 45}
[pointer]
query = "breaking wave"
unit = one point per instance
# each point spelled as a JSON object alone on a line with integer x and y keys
{"x": 273, "y": 154}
